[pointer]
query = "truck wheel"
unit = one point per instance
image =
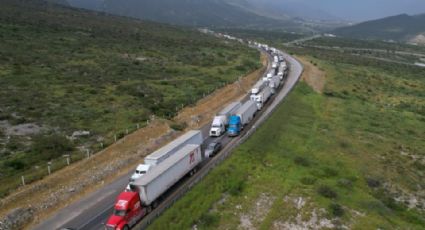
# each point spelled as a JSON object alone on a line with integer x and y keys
{"x": 126, "y": 228}
{"x": 149, "y": 209}
{"x": 155, "y": 204}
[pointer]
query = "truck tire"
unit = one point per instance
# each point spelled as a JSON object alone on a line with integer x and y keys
{"x": 155, "y": 204}
{"x": 126, "y": 228}
{"x": 149, "y": 209}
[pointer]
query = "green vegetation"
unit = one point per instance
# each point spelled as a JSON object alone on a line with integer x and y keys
{"x": 364, "y": 44}
{"x": 397, "y": 28}
{"x": 64, "y": 70}
{"x": 355, "y": 152}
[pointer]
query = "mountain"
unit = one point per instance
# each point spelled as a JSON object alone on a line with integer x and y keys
{"x": 397, "y": 28}
{"x": 198, "y": 13}
{"x": 61, "y": 2}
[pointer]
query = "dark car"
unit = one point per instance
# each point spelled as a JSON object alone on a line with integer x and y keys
{"x": 212, "y": 149}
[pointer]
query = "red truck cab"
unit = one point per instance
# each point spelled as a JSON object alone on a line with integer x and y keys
{"x": 128, "y": 210}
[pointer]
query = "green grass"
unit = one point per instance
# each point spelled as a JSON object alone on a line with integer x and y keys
{"x": 337, "y": 150}
{"x": 69, "y": 70}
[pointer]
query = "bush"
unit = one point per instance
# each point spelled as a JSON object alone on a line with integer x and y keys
{"x": 345, "y": 183}
{"x": 329, "y": 172}
{"x": 326, "y": 191}
{"x": 52, "y": 146}
{"x": 178, "y": 126}
{"x": 308, "y": 180}
{"x": 15, "y": 164}
{"x": 373, "y": 183}
{"x": 208, "y": 220}
{"x": 336, "y": 210}
{"x": 301, "y": 161}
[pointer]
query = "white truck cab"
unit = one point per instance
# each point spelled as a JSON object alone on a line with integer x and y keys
{"x": 218, "y": 126}
{"x": 141, "y": 170}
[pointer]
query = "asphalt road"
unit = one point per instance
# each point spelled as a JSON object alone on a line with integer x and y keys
{"x": 93, "y": 210}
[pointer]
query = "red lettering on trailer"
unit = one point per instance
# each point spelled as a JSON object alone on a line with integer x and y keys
{"x": 192, "y": 158}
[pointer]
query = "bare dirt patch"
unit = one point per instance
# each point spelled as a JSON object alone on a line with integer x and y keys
{"x": 312, "y": 75}
{"x": 64, "y": 187}
{"x": 257, "y": 214}
{"x": 305, "y": 216}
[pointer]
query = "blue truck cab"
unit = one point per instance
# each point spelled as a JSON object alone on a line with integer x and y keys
{"x": 234, "y": 126}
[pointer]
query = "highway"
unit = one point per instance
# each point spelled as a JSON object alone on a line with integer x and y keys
{"x": 94, "y": 209}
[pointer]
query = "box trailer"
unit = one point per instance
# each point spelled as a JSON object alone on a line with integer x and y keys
{"x": 247, "y": 112}
{"x": 242, "y": 117}
{"x": 191, "y": 137}
{"x": 162, "y": 177}
{"x": 274, "y": 84}
{"x": 263, "y": 97}
{"x": 258, "y": 87}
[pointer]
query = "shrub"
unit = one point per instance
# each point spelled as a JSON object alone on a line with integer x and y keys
{"x": 178, "y": 126}
{"x": 208, "y": 220}
{"x": 52, "y": 146}
{"x": 373, "y": 183}
{"x": 299, "y": 160}
{"x": 329, "y": 172}
{"x": 15, "y": 164}
{"x": 327, "y": 191}
{"x": 336, "y": 209}
{"x": 308, "y": 180}
{"x": 345, "y": 183}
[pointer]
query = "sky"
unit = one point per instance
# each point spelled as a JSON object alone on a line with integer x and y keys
{"x": 361, "y": 10}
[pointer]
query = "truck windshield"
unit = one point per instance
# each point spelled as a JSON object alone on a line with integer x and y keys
{"x": 233, "y": 126}
{"x": 140, "y": 172}
{"x": 119, "y": 212}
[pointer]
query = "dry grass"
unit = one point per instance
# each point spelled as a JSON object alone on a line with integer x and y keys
{"x": 312, "y": 75}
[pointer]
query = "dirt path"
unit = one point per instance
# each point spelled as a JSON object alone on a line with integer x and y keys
{"x": 312, "y": 75}
{"x": 42, "y": 198}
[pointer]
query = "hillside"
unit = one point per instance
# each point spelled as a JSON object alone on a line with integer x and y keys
{"x": 73, "y": 80}
{"x": 198, "y": 13}
{"x": 397, "y": 28}
{"x": 346, "y": 156}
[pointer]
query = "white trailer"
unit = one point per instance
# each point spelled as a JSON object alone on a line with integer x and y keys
{"x": 274, "y": 83}
{"x": 218, "y": 126}
{"x": 282, "y": 70}
{"x": 230, "y": 109}
{"x": 247, "y": 112}
{"x": 161, "y": 178}
{"x": 258, "y": 87}
{"x": 192, "y": 137}
{"x": 263, "y": 97}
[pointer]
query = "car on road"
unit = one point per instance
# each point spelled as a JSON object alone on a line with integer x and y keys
{"x": 212, "y": 149}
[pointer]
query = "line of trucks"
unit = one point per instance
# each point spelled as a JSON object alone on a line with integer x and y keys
{"x": 163, "y": 168}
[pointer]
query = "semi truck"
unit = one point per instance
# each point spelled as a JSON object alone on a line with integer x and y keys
{"x": 131, "y": 206}
{"x": 155, "y": 158}
{"x": 220, "y": 121}
{"x": 242, "y": 117}
{"x": 261, "y": 98}
{"x": 274, "y": 84}
{"x": 258, "y": 87}
{"x": 282, "y": 70}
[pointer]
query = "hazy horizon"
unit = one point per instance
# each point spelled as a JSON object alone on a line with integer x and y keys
{"x": 360, "y": 10}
